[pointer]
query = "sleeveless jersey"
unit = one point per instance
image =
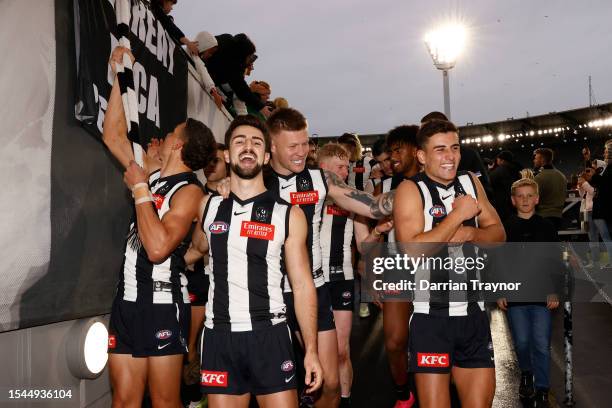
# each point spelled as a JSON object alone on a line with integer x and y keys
{"x": 143, "y": 280}
{"x": 246, "y": 242}
{"x": 307, "y": 189}
{"x": 359, "y": 172}
{"x": 437, "y": 204}
{"x": 336, "y": 238}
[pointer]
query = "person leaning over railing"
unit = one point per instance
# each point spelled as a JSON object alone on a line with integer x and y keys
{"x": 161, "y": 10}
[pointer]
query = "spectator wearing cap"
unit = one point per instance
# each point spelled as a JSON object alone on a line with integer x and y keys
{"x": 602, "y": 202}
{"x": 505, "y": 173}
{"x": 552, "y": 185}
{"x": 161, "y": 10}
{"x": 207, "y": 46}
{"x": 228, "y": 66}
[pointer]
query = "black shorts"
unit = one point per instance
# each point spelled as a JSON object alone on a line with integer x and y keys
{"x": 147, "y": 330}
{"x": 197, "y": 286}
{"x": 342, "y": 294}
{"x": 325, "y": 315}
{"x": 258, "y": 362}
{"x": 437, "y": 343}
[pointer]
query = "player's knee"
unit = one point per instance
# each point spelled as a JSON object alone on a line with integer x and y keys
{"x": 344, "y": 354}
{"x": 165, "y": 400}
{"x": 395, "y": 343}
{"x": 331, "y": 384}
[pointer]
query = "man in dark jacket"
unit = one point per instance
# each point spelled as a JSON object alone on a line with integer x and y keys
{"x": 228, "y": 65}
{"x": 602, "y": 202}
{"x": 505, "y": 173}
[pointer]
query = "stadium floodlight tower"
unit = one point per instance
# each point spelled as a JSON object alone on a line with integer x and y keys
{"x": 444, "y": 44}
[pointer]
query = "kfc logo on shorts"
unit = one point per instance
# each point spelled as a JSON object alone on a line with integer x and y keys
{"x": 112, "y": 341}
{"x": 158, "y": 200}
{"x": 287, "y": 366}
{"x": 192, "y": 297}
{"x": 163, "y": 334}
{"x": 346, "y": 295}
{"x": 437, "y": 211}
{"x": 218, "y": 227}
{"x": 432, "y": 360}
{"x": 213, "y": 378}
{"x": 251, "y": 229}
{"x": 305, "y": 197}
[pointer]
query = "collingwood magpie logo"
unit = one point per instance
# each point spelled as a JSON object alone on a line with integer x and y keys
{"x": 303, "y": 185}
{"x": 261, "y": 214}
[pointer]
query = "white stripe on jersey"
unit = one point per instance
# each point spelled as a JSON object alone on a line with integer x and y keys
{"x": 237, "y": 266}
{"x": 447, "y": 196}
{"x": 288, "y": 186}
{"x": 344, "y": 241}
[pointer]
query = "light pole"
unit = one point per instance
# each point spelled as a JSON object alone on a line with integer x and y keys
{"x": 444, "y": 44}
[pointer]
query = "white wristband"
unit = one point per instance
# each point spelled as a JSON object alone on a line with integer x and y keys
{"x": 143, "y": 200}
{"x": 139, "y": 185}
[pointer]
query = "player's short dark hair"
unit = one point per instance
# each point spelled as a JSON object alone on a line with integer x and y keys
{"x": 404, "y": 134}
{"x": 547, "y": 154}
{"x": 199, "y": 146}
{"x": 431, "y": 128}
{"x": 379, "y": 147}
{"x": 286, "y": 119}
{"x": 433, "y": 115}
{"x": 247, "y": 120}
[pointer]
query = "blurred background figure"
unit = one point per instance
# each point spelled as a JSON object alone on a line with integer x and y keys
{"x": 505, "y": 172}
{"x": 207, "y": 46}
{"x": 161, "y": 10}
{"x": 552, "y": 185}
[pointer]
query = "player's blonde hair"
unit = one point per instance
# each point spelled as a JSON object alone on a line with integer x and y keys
{"x": 331, "y": 150}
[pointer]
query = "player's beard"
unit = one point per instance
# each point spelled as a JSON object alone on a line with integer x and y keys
{"x": 246, "y": 174}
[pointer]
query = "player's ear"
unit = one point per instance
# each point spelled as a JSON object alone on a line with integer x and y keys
{"x": 420, "y": 155}
{"x": 266, "y": 158}
{"x": 226, "y": 156}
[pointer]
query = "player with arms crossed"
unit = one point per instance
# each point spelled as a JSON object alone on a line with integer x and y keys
{"x": 448, "y": 338}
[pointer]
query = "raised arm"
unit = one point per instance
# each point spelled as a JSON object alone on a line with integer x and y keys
{"x": 161, "y": 237}
{"x": 356, "y": 201}
{"x": 304, "y": 293}
{"x": 114, "y": 130}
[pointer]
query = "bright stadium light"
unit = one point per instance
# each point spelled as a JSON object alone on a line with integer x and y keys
{"x": 445, "y": 44}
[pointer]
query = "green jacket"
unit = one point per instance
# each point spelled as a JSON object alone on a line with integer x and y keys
{"x": 553, "y": 188}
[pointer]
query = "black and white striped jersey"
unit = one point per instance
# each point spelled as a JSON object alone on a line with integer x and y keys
{"x": 359, "y": 172}
{"x": 143, "y": 280}
{"x": 336, "y": 238}
{"x": 307, "y": 189}
{"x": 246, "y": 242}
{"x": 376, "y": 182}
{"x": 390, "y": 184}
{"x": 437, "y": 204}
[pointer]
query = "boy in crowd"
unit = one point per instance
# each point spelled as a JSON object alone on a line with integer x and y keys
{"x": 530, "y": 323}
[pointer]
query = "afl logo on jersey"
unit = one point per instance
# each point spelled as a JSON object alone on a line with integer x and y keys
{"x": 218, "y": 227}
{"x": 163, "y": 334}
{"x": 346, "y": 295}
{"x": 437, "y": 211}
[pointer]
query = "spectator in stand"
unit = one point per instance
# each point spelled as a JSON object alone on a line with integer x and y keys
{"x": 228, "y": 67}
{"x": 505, "y": 173}
{"x": 280, "y": 103}
{"x": 552, "y": 185}
{"x": 470, "y": 159}
{"x": 161, "y": 10}
{"x": 262, "y": 89}
{"x": 587, "y": 192}
{"x": 602, "y": 202}
{"x": 207, "y": 46}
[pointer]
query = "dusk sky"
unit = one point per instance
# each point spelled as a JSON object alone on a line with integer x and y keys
{"x": 362, "y": 66}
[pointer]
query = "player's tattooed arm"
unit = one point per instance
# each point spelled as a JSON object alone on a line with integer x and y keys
{"x": 359, "y": 202}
